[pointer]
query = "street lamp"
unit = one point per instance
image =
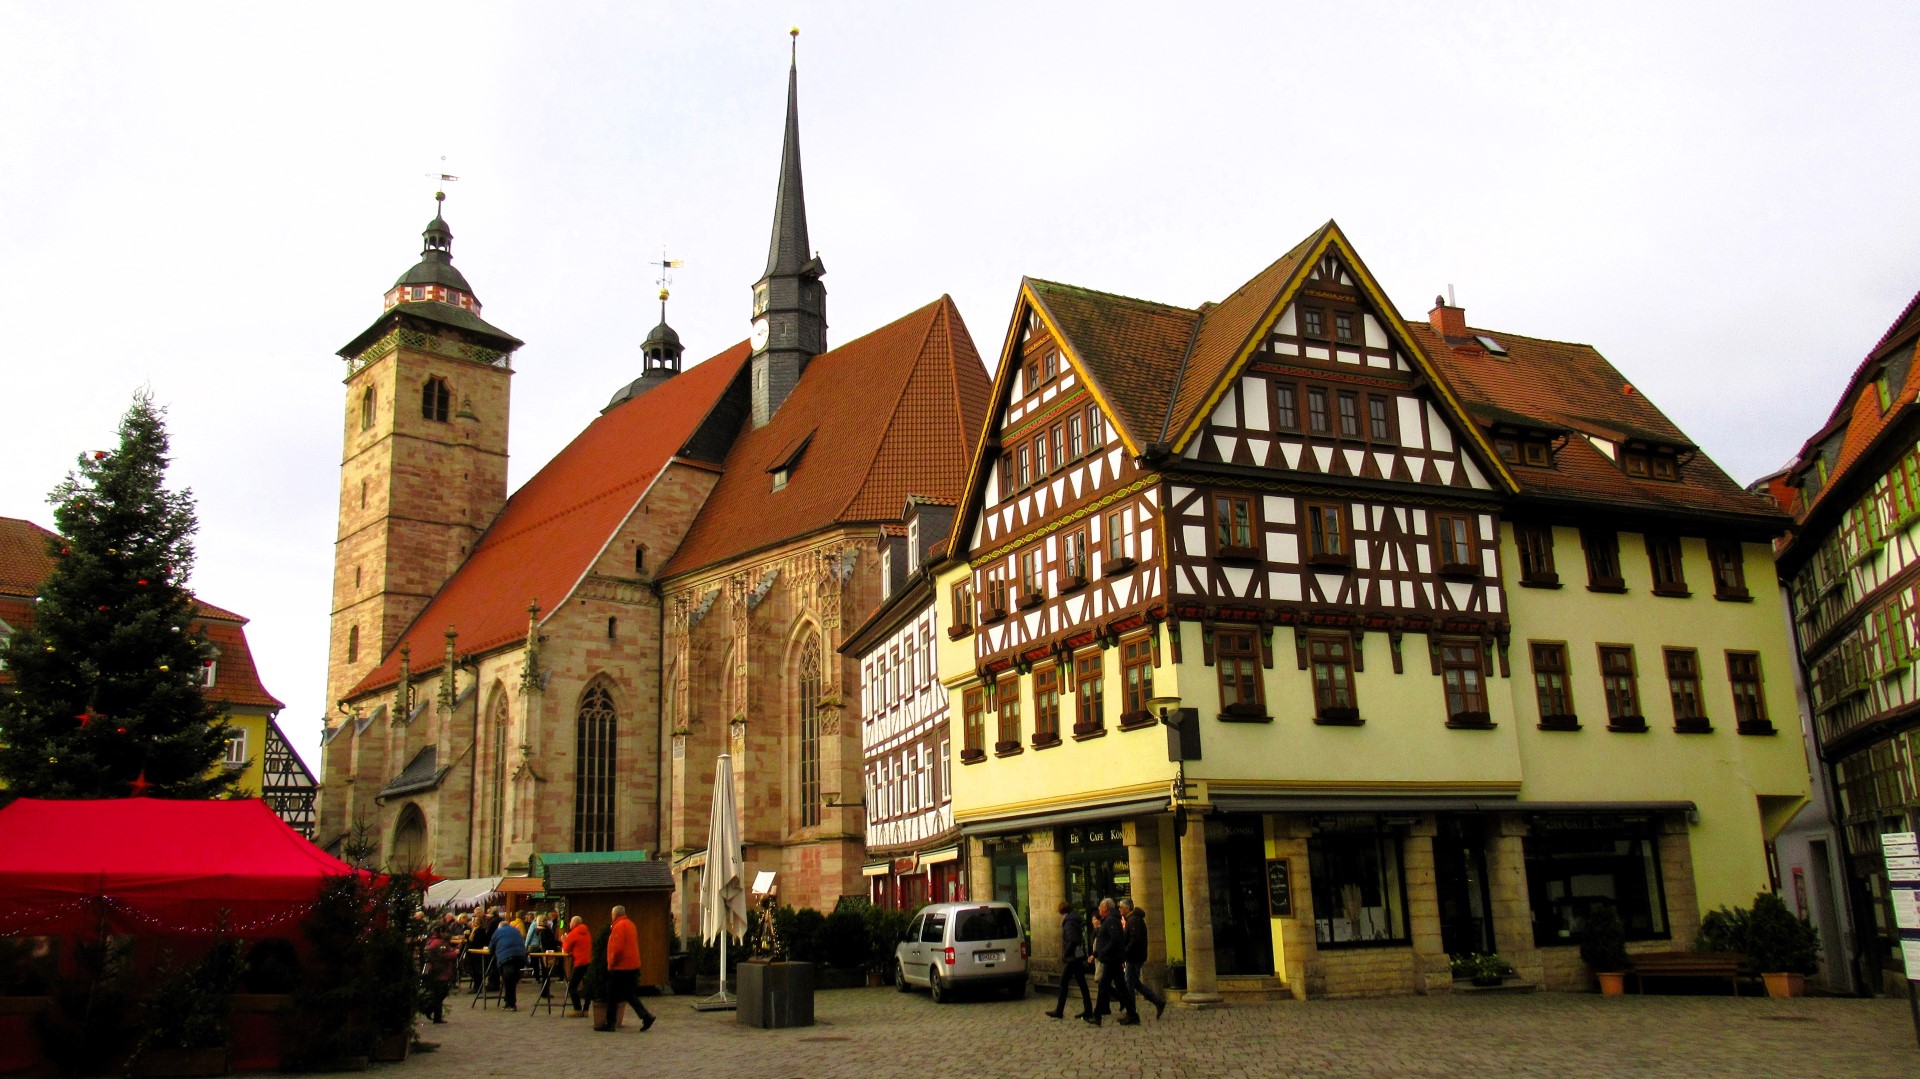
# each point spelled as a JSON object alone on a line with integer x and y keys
{"x": 1183, "y": 745}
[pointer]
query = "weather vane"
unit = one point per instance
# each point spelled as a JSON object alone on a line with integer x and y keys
{"x": 441, "y": 179}
{"x": 665, "y": 280}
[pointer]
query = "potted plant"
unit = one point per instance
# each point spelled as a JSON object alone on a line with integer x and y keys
{"x": 1177, "y": 974}
{"x": 391, "y": 976}
{"x": 1784, "y": 946}
{"x": 188, "y": 1020}
{"x": 1488, "y": 970}
{"x": 1603, "y": 948}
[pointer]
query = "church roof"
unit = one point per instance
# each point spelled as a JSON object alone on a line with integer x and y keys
{"x": 557, "y": 523}
{"x": 891, "y": 414}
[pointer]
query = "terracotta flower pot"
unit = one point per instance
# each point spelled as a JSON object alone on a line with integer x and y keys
{"x": 1613, "y": 984}
{"x": 600, "y": 1014}
{"x": 1782, "y": 984}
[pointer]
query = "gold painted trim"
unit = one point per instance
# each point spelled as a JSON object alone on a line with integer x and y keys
{"x": 1233, "y": 787}
{"x": 1088, "y": 800}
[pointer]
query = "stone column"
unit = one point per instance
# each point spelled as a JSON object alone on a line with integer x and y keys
{"x": 1676, "y": 874}
{"x": 1290, "y": 835}
{"x": 979, "y": 883}
{"x": 1046, "y": 887}
{"x": 1512, "y": 909}
{"x": 1432, "y": 968}
{"x": 1202, "y": 991}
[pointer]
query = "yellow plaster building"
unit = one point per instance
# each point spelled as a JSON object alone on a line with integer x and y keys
{"x": 1450, "y": 627}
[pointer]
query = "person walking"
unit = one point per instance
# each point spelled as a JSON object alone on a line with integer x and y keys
{"x": 439, "y": 963}
{"x": 623, "y": 971}
{"x": 1135, "y": 919}
{"x": 579, "y": 948}
{"x": 509, "y": 958}
{"x": 1073, "y": 962}
{"x": 1110, "y": 948}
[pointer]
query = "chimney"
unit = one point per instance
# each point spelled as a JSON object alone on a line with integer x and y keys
{"x": 1448, "y": 320}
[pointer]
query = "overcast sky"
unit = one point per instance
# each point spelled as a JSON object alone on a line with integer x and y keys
{"x": 210, "y": 201}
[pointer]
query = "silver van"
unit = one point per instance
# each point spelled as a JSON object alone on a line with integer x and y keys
{"x": 950, "y": 946}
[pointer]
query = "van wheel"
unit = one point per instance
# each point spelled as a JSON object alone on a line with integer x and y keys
{"x": 942, "y": 993}
{"x": 900, "y": 978}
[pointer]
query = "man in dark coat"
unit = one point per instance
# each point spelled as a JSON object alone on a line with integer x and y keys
{"x": 1073, "y": 962}
{"x": 1136, "y": 922}
{"x": 1110, "y": 948}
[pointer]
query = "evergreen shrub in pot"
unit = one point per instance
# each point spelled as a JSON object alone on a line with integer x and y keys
{"x": 1603, "y": 948}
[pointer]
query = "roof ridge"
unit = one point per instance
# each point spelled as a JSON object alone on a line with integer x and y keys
{"x": 1114, "y": 295}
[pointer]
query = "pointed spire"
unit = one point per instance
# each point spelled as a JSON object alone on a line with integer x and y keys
{"x": 789, "y": 250}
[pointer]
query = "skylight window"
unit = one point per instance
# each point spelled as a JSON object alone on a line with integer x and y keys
{"x": 1490, "y": 344}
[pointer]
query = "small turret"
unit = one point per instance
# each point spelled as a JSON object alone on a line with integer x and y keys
{"x": 434, "y": 279}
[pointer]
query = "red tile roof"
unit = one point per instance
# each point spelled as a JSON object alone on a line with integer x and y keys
{"x": 1857, "y": 416}
{"x": 889, "y": 415}
{"x": 1129, "y": 349}
{"x": 1571, "y": 387}
{"x": 1225, "y": 330}
{"x": 24, "y": 559}
{"x": 556, "y": 524}
{"x": 25, "y": 564}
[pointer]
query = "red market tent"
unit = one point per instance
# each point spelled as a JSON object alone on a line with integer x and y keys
{"x": 155, "y": 865}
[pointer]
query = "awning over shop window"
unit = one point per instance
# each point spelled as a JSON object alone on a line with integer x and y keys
{"x": 1065, "y": 816}
{"x": 467, "y": 893}
{"x": 876, "y": 869}
{"x": 946, "y": 854}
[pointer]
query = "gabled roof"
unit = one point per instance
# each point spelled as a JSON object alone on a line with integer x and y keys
{"x": 1857, "y": 417}
{"x": 890, "y": 414}
{"x": 1128, "y": 349}
{"x": 558, "y": 522}
{"x": 1558, "y": 385}
{"x": 26, "y": 562}
{"x": 24, "y": 558}
{"x": 1225, "y": 336}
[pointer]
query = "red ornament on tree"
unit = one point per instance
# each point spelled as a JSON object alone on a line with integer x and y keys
{"x": 142, "y": 582}
{"x": 140, "y": 784}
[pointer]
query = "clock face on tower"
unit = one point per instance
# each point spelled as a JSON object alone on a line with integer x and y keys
{"x": 759, "y": 334}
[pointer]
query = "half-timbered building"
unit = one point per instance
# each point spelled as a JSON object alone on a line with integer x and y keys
{"x": 1852, "y": 570}
{"x": 1281, "y": 530}
{"x": 913, "y": 850}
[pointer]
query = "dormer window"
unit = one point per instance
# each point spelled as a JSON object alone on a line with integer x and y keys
{"x": 783, "y": 465}
{"x": 1659, "y": 464}
{"x": 780, "y": 478}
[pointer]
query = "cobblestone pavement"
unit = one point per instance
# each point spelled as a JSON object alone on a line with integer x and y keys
{"x": 868, "y": 1033}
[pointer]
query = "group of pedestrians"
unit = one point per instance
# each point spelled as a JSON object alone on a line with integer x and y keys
{"x": 510, "y": 943}
{"x": 1120, "y": 948}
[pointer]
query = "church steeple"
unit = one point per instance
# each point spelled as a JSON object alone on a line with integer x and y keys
{"x": 789, "y": 302}
{"x": 434, "y": 277}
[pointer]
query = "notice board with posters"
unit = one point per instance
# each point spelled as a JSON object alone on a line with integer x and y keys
{"x": 1901, "y": 850}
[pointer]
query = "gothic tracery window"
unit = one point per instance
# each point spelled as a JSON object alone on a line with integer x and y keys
{"x": 593, "y": 784}
{"x": 809, "y": 689}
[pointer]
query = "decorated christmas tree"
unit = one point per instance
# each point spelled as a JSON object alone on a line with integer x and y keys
{"x": 106, "y": 697}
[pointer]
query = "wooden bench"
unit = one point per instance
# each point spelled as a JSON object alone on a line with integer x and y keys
{"x": 1687, "y": 965}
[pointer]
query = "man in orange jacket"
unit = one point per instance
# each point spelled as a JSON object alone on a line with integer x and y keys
{"x": 578, "y": 945}
{"x": 623, "y": 971}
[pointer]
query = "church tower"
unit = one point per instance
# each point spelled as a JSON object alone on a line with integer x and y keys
{"x": 789, "y": 302}
{"x": 424, "y": 466}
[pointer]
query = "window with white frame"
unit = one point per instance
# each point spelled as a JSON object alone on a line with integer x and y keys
{"x": 236, "y": 748}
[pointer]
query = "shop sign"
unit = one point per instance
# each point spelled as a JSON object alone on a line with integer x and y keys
{"x": 1279, "y": 888}
{"x": 1095, "y": 835}
{"x": 1901, "y": 850}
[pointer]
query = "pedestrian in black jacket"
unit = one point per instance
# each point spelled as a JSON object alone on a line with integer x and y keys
{"x": 1110, "y": 948}
{"x": 1073, "y": 962}
{"x": 1136, "y": 922}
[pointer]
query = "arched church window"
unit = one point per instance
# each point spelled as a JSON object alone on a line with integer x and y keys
{"x": 367, "y": 402}
{"x": 613, "y": 625}
{"x": 593, "y": 783}
{"x": 353, "y": 644}
{"x": 409, "y": 841}
{"x": 434, "y": 400}
{"x": 809, "y": 689}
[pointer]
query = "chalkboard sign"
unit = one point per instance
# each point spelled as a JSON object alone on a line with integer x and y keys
{"x": 1279, "y": 888}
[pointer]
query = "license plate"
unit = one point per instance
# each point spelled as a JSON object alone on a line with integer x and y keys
{"x": 989, "y": 957}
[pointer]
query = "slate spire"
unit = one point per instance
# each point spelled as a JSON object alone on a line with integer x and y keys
{"x": 789, "y": 302}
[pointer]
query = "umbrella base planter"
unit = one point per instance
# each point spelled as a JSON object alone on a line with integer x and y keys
{"x": 774, "y": 995}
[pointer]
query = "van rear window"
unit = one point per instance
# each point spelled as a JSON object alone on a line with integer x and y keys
{"x": 986, "y": 923}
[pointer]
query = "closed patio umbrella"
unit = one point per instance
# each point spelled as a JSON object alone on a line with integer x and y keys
{"x": 723, "y": 895}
